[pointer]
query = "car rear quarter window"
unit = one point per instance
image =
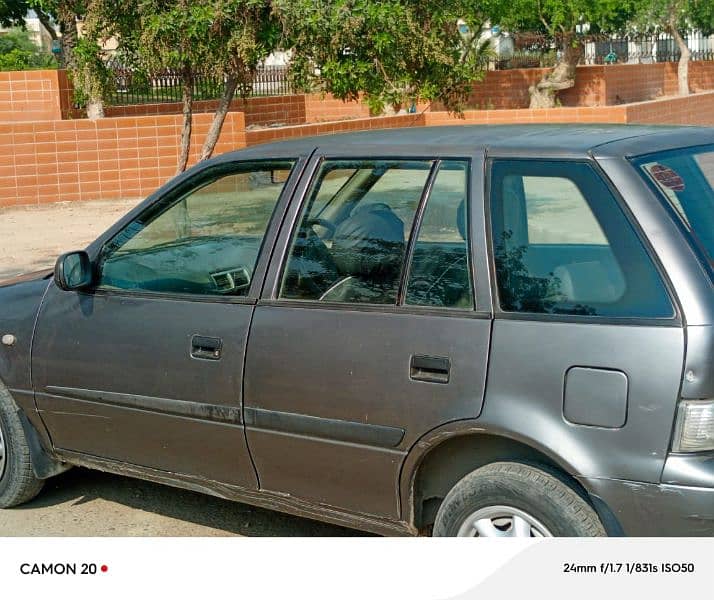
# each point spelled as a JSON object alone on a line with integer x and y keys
{"x": 563, "y": 246}
{"x": 685, "y": 178}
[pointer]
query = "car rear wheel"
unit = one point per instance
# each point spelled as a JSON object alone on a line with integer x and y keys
{"x": 508, "y": 499}
{"x": 18, "y": 483}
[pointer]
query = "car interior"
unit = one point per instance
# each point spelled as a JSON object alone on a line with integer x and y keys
{"x": 572, "y": 276}
{"x": 351, "y": 247}
{"x": 562, "y": 246}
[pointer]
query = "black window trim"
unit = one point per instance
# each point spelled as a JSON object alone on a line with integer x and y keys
{"x": 197, "y": 180}
{"x": 675, "y": 320}
{"x": 406, "y": 267}
{"x": 476, "y": 311}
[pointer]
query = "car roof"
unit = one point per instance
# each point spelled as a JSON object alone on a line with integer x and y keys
{"x": 526, "y": 140}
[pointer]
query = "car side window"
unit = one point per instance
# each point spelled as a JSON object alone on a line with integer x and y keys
{"x": 350, "y": 243}
{"x": 440, "y": 275}
{"x": 562, "y": 244}
{"x": 204, "y": 241}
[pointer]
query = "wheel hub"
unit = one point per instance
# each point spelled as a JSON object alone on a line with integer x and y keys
{"x": 502, "y": 521}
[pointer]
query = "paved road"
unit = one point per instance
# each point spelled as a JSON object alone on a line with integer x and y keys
{"x": 87, "y": 503}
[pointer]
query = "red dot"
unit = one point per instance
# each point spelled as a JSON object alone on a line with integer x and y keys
{"x": 105, "y": 568}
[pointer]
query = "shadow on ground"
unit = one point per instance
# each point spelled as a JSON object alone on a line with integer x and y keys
{"x": 90, "y": 503}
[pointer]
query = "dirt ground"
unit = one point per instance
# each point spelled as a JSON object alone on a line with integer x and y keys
{"x": 31, "y": 238}
{"x": 87, "y": 503}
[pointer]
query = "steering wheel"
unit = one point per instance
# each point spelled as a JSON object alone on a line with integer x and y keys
{"x": 329, "y": 225}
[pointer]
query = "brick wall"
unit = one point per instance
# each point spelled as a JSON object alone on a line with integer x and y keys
{"x": 509, "y": 89}
{"x": 696, "y": 109}
{"x": 635, "y": 83}
{"x": 566, "y": 114}
{"x": 45, "y": 95}
{"x": 129, "y": 157}
{"x": 595, "y": 85}
{"x": 325, "y": 107}
{"x": 262, "y": 110}
{"x": 121, "y": 157}
{"x": 701, "y": 76}
{"x": 260, "y": 136}
{"x": 29, "y": 95}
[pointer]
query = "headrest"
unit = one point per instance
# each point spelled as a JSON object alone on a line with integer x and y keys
{"x": 370, "y": 241}
{"x": 585, "y": 282}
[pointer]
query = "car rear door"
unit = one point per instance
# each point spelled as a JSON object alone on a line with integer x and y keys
{"x": 146, "y": 367}
{"x": 358, "y": 349}
{"x": 587, "y": 344}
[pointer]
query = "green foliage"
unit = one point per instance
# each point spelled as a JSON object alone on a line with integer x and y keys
{"x": 561, "y": 18}
{"x": 395, "y": 52}
{"x": 19, "y": 53}
{"x": 221, "y": 37}
{"x": 656, "y": 15}
{"x": 12, "y": 12}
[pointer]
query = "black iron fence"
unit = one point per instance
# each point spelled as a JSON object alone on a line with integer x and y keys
{"x": 527, "y": 50}
{"x": 135, "y": 87}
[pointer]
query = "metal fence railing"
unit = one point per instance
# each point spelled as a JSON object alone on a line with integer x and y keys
{"x": 536, "y": 50}
{"x": 135, "y": 87}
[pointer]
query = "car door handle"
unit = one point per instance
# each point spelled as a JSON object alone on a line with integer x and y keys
{"x": 207, "y": 348}
{"x": 434, "y": 369}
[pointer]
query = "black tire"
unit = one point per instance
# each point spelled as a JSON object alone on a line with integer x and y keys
{"x": 552, "y": 502}
{"x": 18, "y": 483}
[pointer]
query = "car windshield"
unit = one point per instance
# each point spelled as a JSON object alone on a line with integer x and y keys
{"x": 686, "y": 178}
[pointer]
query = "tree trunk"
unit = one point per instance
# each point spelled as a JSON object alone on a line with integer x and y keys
{"x": 562, "y": 77}
{"x": 92, "y": 90}
{"x": 95, "y": 109}
{"x": 68, "y": 28}
{"x": 684, "y": 56}
{"x": 219, "y": 117}
{"x": 44, "y": 19}
{"x": 187, "y": 99}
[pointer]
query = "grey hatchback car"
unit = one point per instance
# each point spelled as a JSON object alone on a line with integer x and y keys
{"x": 457, "y": 331}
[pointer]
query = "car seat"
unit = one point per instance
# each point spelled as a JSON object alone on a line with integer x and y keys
{"x": 367, "y": 248}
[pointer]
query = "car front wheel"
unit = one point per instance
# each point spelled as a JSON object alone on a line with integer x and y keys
{"x": 18, "y": 483}
{"x": 508, "y": 499}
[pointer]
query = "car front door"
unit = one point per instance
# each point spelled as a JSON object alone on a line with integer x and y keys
{"x": 146, "y": 366}
{"x": 368, "y": 333}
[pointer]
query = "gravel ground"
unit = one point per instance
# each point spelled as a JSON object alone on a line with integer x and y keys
{"x": 88, "y": 503}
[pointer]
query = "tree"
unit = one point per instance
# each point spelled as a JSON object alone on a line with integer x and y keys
{"x": 565, "y": 22}
{"x": 243, "y": 34}
{"x": 82, "y": 57}
{"x": 393, "y": 52}
{"x": 19, "y": 53}
{"x": 677, "y": 17}
{"x": 161, "y": 35}
{"x": 223, "y": 39}
{"x": 180, "y": 34}
{"x": 12, "y": 12}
